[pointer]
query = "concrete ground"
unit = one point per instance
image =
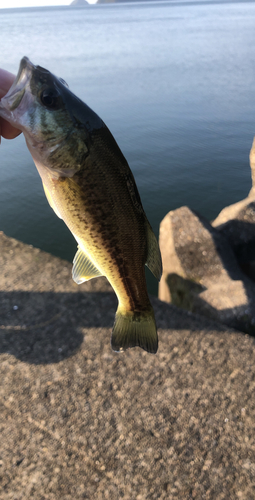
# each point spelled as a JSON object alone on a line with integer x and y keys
{"x": 78, "y": 421}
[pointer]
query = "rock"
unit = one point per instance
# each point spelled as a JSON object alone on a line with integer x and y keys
{"x": 232, "y": 211}
{"x": 201, "y": 273}
{"x": 206, "y": 266}
{"x": 237, "y": 223}
{"x": 240, "y": 233}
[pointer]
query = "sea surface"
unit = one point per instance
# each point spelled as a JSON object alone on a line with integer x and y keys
{"x": 174, "y": 82}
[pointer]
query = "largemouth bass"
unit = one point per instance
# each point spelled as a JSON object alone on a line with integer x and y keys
{"x": 89, "y": 185}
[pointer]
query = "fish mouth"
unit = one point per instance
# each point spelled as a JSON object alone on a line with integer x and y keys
{"x": 16, "y": 92}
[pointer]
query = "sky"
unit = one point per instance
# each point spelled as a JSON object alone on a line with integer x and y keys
{"x": 4, "y": 4}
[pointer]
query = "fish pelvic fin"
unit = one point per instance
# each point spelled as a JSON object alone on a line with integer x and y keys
{"x": 83, "y": 268}
{"x": 133, "y": 329}
{"x": 153, "y": 262}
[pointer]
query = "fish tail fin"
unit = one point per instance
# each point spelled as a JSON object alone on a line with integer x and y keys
{"x": 132, "y": 329}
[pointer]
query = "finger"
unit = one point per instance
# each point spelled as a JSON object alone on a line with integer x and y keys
{"x": 7, "y": 130}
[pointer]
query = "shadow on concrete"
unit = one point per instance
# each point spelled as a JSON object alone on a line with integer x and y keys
{"x": 47, "y": 327}
{"x": 186, "y": 294}
{"x": 223, "y": 248}
{"x": 241, "y": 237}
{"x": 236, "y": 259}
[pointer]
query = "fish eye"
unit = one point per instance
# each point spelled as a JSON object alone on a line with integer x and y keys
{"x": 49, "y": 98}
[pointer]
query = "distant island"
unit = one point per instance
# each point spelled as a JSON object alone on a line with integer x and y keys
{"x": 122, "y": 1}
{"x": 84, "y": 3}
{"x": 80, "y": 3}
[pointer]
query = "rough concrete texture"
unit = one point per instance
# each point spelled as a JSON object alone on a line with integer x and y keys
{"x": 200, "y": 272}
{"x": 236, "y": 222}
{"x": 240, "y": 229}
{"x": 240, "y": 233}
{"x": 80, "y": 421}
{"x": 232, "y": 211}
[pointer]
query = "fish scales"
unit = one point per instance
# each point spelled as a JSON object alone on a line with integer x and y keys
{"x": 98, "y": 228}
{"x": 89, "y": 184}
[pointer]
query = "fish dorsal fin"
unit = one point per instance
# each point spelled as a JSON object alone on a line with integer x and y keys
{"x": 153, "y": 262}
{"x": 50, "y": 201}
{"x": 83, "y": 268}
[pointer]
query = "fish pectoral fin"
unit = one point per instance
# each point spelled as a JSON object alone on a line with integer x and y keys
{"x": 83, "y": 268}
{"x": 153, "y": 262}
{"x": 50, "y": 201}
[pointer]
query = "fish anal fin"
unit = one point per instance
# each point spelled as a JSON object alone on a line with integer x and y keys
{"x": 50, "y": 201}
{"x": 153, "y": 262}
{"x": 83, "y": 268}
{"x": 133, "y": 329}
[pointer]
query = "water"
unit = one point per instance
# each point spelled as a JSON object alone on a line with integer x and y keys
{"x": 174, "y": 82}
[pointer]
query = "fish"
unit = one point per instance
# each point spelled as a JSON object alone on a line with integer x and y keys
{"x": 89, "y": 185}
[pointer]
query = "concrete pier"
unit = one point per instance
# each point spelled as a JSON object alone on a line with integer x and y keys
{"x": 79, "y": 421}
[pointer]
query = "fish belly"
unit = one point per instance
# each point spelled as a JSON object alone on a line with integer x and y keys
{"x": 101, "y": 241}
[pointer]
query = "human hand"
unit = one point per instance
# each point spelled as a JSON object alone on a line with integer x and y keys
{"x": 6, "y": 129}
